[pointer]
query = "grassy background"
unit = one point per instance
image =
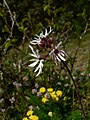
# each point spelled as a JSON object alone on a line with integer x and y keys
{"x": 83, "y": 55}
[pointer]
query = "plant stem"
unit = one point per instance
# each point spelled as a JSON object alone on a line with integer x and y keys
{"x": 6, "y": 74}
{"x": 76, "y": 89}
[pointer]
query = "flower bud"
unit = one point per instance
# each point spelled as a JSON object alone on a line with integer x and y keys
{"x": 50, "y": 40}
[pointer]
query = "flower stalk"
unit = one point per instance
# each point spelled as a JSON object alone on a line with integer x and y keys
{"x": 76, "y": 89}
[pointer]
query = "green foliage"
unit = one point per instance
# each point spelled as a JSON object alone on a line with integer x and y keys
{"x": 17, "y": 80}
{"x": 75, "y": 115}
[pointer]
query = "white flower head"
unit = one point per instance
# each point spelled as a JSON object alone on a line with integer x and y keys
{"x": 36, "y": 61}
{"x": 12, "y": 100}
{"x": 38, "y": 38}
{"x": 56, "y": 54}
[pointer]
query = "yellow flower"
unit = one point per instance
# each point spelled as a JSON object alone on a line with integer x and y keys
{"x": 30, "y": 112}
{"x": 52, "y": 94}
{"x": 42, "y": 89}
{"x": 56, "y": 98}
{"x": 59, "y": 93}
{"x": 25, "y": 118}
{"x": 50, "y": 114}
{"x": 44, "y": 100}
{"x": 33, "y": 117}
{"x": 50, "y": 90}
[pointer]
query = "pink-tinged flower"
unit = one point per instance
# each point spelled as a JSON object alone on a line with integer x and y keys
{"x": 34, "y": 91}
{"x": 57, "y": 54}
{"x": 36, "y": 85}
{"x": 30, "y": 107}
{"x": 37, "y": 61}
{"x": 41, "y": 39}
{"x": 47, "y": 95}
{"x": 39, "y": 93}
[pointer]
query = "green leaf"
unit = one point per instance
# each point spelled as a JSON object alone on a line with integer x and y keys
{"x": 46, "y": 7}
{"x": 8, "y": 45}
{"x": 1, "y": 14}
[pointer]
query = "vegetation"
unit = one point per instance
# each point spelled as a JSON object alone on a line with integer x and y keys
{"x": 62, "y": 90}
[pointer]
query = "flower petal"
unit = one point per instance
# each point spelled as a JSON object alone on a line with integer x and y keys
{"x": 39, "y": 68}
{"x": 34, "y": 55}
{"x": 61, "y": 57}
{"x": 37, "y": 36}
{"x": 58, "y": 58}
{"x": 34, "y": 63}
{"x": 62, "y": 53}
{"x": 33, "y": 60}
{"x": 34, "y": 42}
{"x": 32, "y": 49}
{"x": 46, "y": 32}
{"x": 58, "y": 45}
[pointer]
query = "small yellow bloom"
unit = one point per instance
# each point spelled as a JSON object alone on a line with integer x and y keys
{"x": 59, "y": 93}
{"x": 56, "y": 98}
{"x": 44, "y": 100}
{"x": 50, "y": 114}
{"x": 25, "y": 118}
{"x": 42, "y": 89}
{"x": 52, "y": 94}
{"x": 30, "y": 112}
{"x": 33, "y": 117}
{"x": 50, "y": 90}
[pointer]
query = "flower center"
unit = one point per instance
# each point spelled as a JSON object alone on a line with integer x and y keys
{"x": 55, "y": 51}
{"x": 42, "y": 42}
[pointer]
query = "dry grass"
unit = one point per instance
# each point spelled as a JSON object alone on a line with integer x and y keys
{"x": 83, "y": 55}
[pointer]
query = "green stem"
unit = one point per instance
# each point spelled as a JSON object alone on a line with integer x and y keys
{"x": 76, "y": 89}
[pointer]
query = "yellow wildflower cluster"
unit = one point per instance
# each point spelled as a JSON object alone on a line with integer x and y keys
{"x": 54, "y": 96}
{"x": 49, "y": 93}
{"x": 30, "y": 116}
